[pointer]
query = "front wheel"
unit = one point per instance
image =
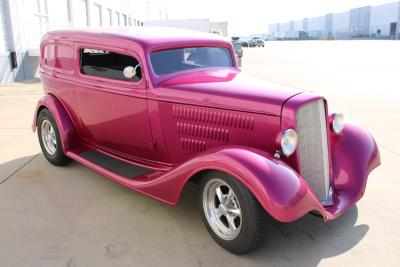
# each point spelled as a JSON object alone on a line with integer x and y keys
{"x": 232, "y": 215}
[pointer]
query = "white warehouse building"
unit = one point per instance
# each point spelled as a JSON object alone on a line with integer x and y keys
{"x": 23, "y": 22}
{"x": 380, "y": 22}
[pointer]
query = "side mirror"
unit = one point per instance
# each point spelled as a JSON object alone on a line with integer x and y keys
{"x": 130, "y": 72}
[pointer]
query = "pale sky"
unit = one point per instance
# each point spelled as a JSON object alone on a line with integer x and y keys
{"x": 253, "y": 16}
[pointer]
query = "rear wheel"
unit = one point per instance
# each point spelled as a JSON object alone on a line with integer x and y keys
{"x": 49, "y": 139}
{"x": 232, "y": 215}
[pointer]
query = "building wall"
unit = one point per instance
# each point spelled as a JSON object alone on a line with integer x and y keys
{"x": 3, "y": 28}
{"x": 13, "y": 41}
{"x": 328, "y": 25}
{"x": 221, "y": 26}
{"x": 340, "y": 22}
{"x": 340, "y": 25}
{"x": 298, "y": 25}
{"x": 285, "y": 27}
{"x": 272, "y": 28}
{"x": 361, "y": 22}
{"x": 4, "y": 55}
{"x": 316, "y": 27}
{"x": 381, "y": 17}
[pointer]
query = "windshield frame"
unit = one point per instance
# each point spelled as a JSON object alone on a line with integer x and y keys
{"x": 157, "y": 79}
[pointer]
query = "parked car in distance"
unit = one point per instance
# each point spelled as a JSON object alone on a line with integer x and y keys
{"x": 245, "y": 41}
{"x": 155, "y": 109}
{"x": 256, "y": 41}
{"x": 242, "y": 40}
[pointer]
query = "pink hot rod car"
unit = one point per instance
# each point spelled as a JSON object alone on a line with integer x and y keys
{"x": 154, "y": 109}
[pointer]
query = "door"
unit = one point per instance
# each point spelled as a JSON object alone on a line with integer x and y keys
{"x": 393, "y": 28}
{"x": 112, "y": 108}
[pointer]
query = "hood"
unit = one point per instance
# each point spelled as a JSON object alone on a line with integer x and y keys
{"x": 227, "y": 89}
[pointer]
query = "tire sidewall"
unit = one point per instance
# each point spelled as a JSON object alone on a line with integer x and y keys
{"x": 57, "y": 157}
{"x": 244, "y": 240}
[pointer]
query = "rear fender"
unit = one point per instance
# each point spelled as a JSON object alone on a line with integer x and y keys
{"x": 64, "y": 123}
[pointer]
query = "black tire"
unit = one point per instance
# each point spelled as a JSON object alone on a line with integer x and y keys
{"x": 57, "y": 158}
{"x": 255, "y": 222}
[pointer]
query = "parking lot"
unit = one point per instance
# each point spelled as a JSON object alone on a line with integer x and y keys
{"x": 72, "y": 216}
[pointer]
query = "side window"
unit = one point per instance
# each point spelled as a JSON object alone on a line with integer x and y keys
{"x": 64, "y": 57}
{"x": 107, "y": 64}
{"x": 58, "y": 56}
{"x": 49, "y": 55}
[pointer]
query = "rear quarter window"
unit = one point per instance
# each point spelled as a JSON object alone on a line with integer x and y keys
{"x": 64, "y": 57}
{"x": 59, "y": 56}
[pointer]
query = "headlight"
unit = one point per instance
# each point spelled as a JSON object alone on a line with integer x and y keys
{"x": 289, "y": 142}
{"x": 337, "y": 123}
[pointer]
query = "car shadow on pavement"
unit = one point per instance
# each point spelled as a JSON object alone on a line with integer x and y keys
{"x": 309, "y": 240}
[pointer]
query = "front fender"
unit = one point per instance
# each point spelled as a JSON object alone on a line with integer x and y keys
{"x": 354, "y": 155}
{"x": 281, "y": 191}
{"x": 64, "y": 123}
{"x": 277, "y": 187}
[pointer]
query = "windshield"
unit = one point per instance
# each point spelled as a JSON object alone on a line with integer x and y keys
{"x": 181, "y": 59}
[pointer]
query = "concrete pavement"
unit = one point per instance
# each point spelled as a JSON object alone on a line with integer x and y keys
{"x": 72, "y": 216}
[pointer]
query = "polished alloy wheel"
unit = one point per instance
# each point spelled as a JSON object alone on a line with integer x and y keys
{"x": 222, "y": 209}
{"x": 49, "y": 139}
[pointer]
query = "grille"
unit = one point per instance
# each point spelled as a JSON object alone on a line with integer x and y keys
{"x": 313, "y": 147}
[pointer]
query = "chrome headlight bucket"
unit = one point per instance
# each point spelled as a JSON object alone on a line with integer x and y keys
{"x": 337, "y": 123}
{"x": 289, "y": 142}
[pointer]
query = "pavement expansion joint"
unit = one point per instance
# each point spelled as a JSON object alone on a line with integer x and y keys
{"x": 19, "y": 168}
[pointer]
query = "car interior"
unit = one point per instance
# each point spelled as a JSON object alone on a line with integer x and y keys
{"x": 107, "y": 64}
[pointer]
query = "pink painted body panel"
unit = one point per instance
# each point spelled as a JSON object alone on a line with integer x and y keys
{"x": 226, "y": 89}
{"x": 181, "y": 124}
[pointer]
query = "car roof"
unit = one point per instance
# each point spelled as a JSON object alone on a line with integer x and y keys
{"x": 145, "y": 36}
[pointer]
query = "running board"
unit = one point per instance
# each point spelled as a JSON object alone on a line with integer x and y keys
{"x": 134, "y": 176}
{"x": 114, "y": 165}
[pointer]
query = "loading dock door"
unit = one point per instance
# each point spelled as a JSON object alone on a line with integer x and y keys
{"x": 393, "y": 30}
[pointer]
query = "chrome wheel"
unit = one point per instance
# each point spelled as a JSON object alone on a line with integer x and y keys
{"x": 222, "y": 209}
{"x": 49, "y": 139}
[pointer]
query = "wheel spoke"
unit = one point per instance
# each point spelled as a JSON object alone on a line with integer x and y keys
{"x": 217, "y": 212}
{"x": 230, "y": 196}
{"x": 220, "y": 195}
{"x": 234, "y": 211}
{"x": 231, "y": 222}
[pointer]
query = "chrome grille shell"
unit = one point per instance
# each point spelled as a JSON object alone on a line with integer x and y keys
{"x": 313, "y": 152}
